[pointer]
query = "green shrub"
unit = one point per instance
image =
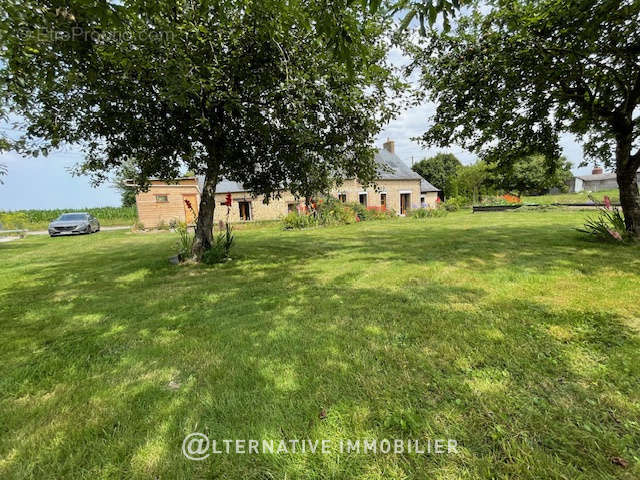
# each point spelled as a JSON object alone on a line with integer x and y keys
{"x": 608, "y": 226}
{"x": 296, "y": 220}
{"x": 360, "y": 210}
{"x": 452, "y": 205}
{"x": 331, "y": 211}
{"x": 371, "y": 213}
{"x": 428, "y": 213}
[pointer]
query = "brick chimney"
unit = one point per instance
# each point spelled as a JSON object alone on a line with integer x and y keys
{"x": 389, "y": 146}
{"x": 597, "y": 171}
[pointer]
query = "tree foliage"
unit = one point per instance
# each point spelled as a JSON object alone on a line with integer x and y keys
{"x": 533, "y": 175}
{"x": 243, "y": 89}
{"x": 470, "y": 180}
{"x": 507, "y": 81}
{"x": 123, "y": 183}
{"x": 3, "y": 172}
{"x": 438, "y": 170}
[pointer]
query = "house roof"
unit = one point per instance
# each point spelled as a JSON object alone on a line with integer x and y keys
{"x": 397, "y": 170}
{"x": 224, "y": 186}
{"x": 595, "y": 178}
{"x": 600, "y": 176}
{"x": 427, "y": 187}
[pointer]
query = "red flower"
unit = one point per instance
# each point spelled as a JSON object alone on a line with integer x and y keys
{"x": 228, "y": 200}
{"x": 188, "y": 204}
{"x": 607, "y": 202}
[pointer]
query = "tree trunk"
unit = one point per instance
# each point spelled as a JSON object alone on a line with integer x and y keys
{"x": 204, "y": 227}
{"x": 626, "y": 172}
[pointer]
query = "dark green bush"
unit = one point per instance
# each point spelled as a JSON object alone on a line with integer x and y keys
{"x": 452, "y": 205}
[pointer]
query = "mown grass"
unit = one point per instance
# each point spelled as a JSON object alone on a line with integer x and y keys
{"x": 40, "y": 219}
{"x": 510, "y": 333}
{"x": 580, "y": 197}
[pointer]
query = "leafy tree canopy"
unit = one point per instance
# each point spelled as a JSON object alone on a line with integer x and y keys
{"x": 243, "y": 89}
{"x": 533, "y": 175}
{"x": 438, "y": 170}
{"x": 508, "y": 80}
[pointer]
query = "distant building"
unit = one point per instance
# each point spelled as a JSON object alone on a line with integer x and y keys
{"x": 597, "y": 181}
{"x": 397, "y": 188}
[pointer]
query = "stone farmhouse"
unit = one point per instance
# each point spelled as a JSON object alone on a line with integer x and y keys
{"x": 398, "y": 188}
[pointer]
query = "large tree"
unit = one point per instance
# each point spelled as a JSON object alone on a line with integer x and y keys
{"x": 511, "y": 77}
{"x": 438, "y": 170}
{"x": 249, "y": 90}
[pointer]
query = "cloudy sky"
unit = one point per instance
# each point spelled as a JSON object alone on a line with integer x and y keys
{"x": 46, "y": 182}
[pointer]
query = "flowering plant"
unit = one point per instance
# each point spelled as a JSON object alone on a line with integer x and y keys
{"x": 609, "y": 225}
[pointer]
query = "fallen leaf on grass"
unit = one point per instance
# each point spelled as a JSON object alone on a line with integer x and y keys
{"x": 620, "y": 462}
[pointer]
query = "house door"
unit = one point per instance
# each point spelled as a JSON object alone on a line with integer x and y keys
{"x": 245, "y": 210}
{"x": 189, "y": 216}
{"x": 405, "y": 199}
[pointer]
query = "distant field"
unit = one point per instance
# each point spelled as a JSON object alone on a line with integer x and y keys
{"x": 580, "y": 197}
{"x": 39, "y": 219}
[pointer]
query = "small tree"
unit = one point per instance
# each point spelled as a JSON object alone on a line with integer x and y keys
{"x": 243, "y": 89}
{"x": 438, "y": 170}
{"x": 122, "y": 183}
{"x": 508, "y": 81}
{"x": 470, "y": 179}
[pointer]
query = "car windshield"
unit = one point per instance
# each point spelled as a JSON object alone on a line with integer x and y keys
{"x": 71, "y": 217}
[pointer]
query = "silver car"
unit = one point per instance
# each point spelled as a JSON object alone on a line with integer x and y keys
{"x": 74, "y": 224}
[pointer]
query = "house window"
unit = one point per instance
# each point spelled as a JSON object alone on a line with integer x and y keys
{"x": 292, "y": 207}
{"x": 245, "y": 210}
{"x": 162, "y": 198}
{"x": 362, "y": 198}
{"x": 342, "y": 197}
{"x": 383, "y": 200}
{"x": 422, "y": 202}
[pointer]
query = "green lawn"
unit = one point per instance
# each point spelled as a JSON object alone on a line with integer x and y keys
{"x": 508, "y": 332}
{"x": 580, "y": 197}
